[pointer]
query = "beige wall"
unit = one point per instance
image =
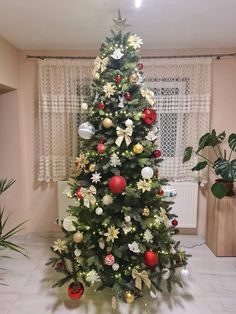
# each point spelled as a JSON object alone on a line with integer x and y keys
{"x": 40, "y": 199}
{"x": 8, "y": 64}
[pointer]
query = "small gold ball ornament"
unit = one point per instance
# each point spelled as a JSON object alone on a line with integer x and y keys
{"x": 133, "y": 78}
{"x": 92, "y": 167}
{"x": 129, "y": 297}
{"x": 78, "y": 237}
{"x": 138, "y": 148}
{"x": 146, "y": 211}
{"x": 107, "y": 123}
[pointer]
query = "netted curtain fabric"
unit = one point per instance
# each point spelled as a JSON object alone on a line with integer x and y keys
{"x": 62, "y": 87}
{"x": 183, "y": 96}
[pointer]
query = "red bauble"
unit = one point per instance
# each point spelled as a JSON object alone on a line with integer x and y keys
{"x": 59, "y": 266}
{"x": 109, "y": 260}
{"x": 101, "y": 105}
{"x": 161, "y": 192}
{"x": 140, "y": 66}
{"x": 127, "y": 96}
{"x": 101, "y": 148}
{"x": 150, "y": 258}
{"x": 75, "y": 290}
{"x": 149, "y": 116}
{"x": 157, "y": 153}
{"x": 118, "y": 79}
{"x": 117, "y": 184}
{"x": 78, "y": 193}
{"x": 174, "y": 222}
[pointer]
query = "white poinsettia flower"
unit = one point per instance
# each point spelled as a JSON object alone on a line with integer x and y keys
{"x": 109, "y": 90}
{"x": 59, "y": 245}
{"x": 134, "y": 41}
{"x": 92, "y": 277}
{"x": 144, "y": 185}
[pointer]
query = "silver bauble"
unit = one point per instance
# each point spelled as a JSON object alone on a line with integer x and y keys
{"x": 86, "y": 130}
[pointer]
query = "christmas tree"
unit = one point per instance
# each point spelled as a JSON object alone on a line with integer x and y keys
{"x": 120, "y": 234}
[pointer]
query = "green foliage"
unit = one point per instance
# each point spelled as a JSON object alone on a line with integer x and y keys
{"x": 127, "y": 213}
{"x": 5, "y": 237}
{"x": 223, "y": 167}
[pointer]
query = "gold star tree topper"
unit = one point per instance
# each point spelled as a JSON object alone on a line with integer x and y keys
{"x": 120, "y": 24}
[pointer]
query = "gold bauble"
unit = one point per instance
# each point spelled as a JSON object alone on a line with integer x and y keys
{"x": 78, "y": 237}
{"x": 92, "y": 167}
{"x": 133, "y": 78}
{"x": 146, "y": 211}
{"x": 107, "y": 123}
{"x": 138, "y": 148}
{"x": 129, "y": 297}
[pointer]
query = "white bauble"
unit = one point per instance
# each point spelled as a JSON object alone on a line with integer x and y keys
{"x": 107, "y": 199}
{"x": 84, "y": 106}
{"x": 128, "y": 122}
{"x": 86, "y": 130}
{"x": 115, "y": 266}
{"x": 77, "y": 252}
{"x": 147, "y": 173}
{"x": 184, "y": 273}
{"x": 166, "y": 273}
{"x": 127, "y": 218}
{"x": 68, "y": 223}
{"x": 155, "y": 294}
{"x": 99, "y": 210}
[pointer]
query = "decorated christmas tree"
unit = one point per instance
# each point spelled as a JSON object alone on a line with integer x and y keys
{"x": 119, "y": 235}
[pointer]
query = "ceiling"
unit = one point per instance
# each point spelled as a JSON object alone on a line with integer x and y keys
{"x": 83, "y": 24}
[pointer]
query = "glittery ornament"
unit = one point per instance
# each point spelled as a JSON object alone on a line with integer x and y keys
{"x": 78, "y": 237}
{"x": 157, "y": 153}
{"x": 92, "y": 167}
{"x": 109, "y": 260}
{"x": 115, "y": 266}
{"x": 99, "y": 211}
{"x": 78, "y": 193}
{"x": 133, "y": 78}
{"x": 174, "y": 222}
{"x": 118, "y": 79}
{"x": 101, "y": 105}
{"x": 129, "y": 297}
{"x": 107, "y": 123}
{"x": 75, "y": 290}
{"x": 127, "y": 96}
{"x": 138, "y": 148}
{"x": 149, "y": 116}
{"x": 146, "y": 211}
{"x": 101, "y": 148}
{"x": 140, "y": 66}
{"x": 151, "y": 258}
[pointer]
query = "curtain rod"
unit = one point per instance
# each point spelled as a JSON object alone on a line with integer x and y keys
{"x": 217, "y": 56}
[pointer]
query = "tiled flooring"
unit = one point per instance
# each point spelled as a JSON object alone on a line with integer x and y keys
{"x": 210, "y": 289}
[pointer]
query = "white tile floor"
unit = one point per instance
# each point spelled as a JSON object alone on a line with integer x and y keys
{"x": 210, "y": 289}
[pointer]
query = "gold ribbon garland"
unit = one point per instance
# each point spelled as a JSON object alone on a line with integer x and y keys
{"x": 139, "y": 277}
{"x": 88, "y": 195}
{"x": 124, "y": 134}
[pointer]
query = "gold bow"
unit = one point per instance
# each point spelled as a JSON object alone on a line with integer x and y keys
{"x": 88, "y": 196}
{"x": 100, "y": 64}
{"x": 139, "y": 277}
{"x": 148, "y": 94}
{"x": 124, "y": 134}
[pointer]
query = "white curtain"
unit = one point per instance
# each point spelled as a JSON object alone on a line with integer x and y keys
{"x": 183, "y": 96}
{"x": 62, "y": 87}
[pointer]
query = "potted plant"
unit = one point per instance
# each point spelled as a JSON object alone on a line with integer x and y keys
{"x": 6, "y": 241}
{"x": 222, "y": 165}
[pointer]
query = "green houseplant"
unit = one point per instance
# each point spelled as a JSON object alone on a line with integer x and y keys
{"x": 223, "y": 166}
{"x": 6, "y": 242}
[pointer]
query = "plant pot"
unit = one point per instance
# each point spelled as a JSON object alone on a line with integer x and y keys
{"x": 229, "y": 186}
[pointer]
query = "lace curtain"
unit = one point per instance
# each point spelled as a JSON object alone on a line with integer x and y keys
{"x": 62, "y": 87}
{"x": 183, "y": 96}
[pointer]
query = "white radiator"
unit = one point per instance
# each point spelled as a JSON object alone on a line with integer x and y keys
{"x": 63, "y": 201}
{"x": 185, "y": 206}
{"x": 186, "y": 203}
